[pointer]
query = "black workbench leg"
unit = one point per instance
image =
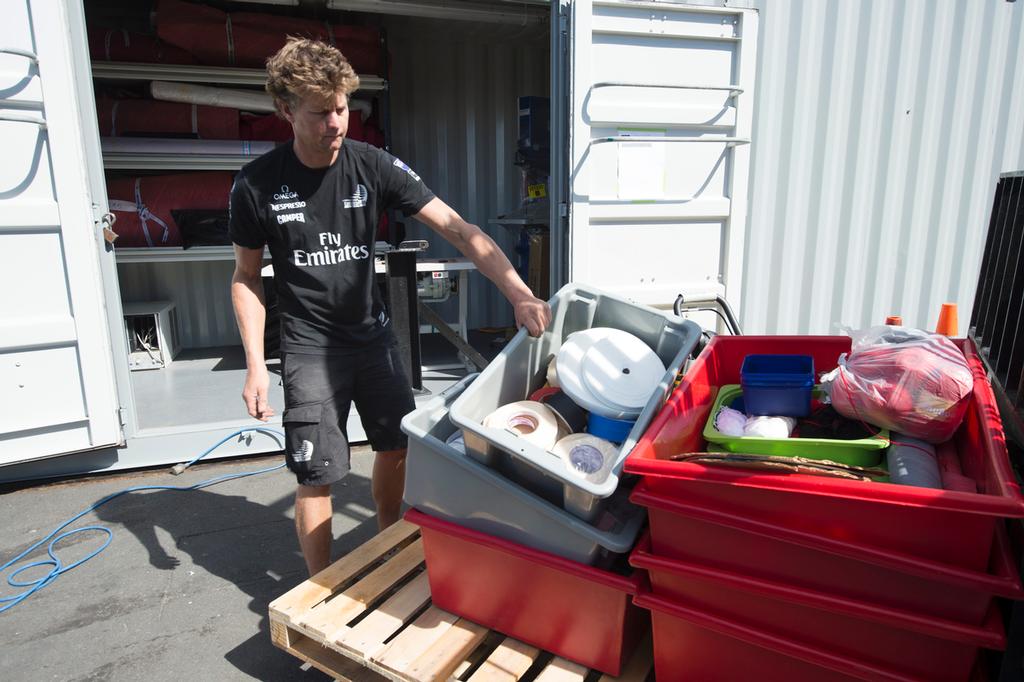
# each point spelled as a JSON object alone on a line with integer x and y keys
{"x": 402, "y": 306}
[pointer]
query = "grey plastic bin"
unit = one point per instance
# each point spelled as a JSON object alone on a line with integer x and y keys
{"x": 521, "y": 368}
{"x": 444, "y": 482}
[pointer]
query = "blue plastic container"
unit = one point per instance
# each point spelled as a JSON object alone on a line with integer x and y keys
{"x": 612, "y": 430}
{"x": 777, "y": 385}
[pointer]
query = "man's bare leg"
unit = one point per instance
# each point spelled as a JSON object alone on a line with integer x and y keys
{"x": 313, "y": 525}
{"x": 388, "y": 485}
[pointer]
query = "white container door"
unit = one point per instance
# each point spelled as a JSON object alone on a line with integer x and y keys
{"x": 660, "y": 104}
{"x": 57, "y": 390}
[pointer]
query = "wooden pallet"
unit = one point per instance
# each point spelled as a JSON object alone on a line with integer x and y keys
{"x": 369, "y": 615}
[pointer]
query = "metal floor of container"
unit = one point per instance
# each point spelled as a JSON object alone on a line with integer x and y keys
{"x": 204, "y": 386}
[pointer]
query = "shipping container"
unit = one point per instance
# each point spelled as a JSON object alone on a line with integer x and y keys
{"x": 118, "y": 356}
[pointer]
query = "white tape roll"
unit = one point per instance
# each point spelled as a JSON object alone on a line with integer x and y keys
{"x": 553, "y": 374}
{"x": 587, "y": 456}
{"x": 532, "y": 421}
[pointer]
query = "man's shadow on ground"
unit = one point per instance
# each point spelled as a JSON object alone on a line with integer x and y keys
{"x": 250, "y": 545}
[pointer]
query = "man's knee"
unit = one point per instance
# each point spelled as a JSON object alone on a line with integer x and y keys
{"x": 391, "y": 456}
{"x": 304, "y": 492}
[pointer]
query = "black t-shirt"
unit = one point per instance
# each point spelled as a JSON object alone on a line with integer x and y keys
{"x": 320, "y": 225}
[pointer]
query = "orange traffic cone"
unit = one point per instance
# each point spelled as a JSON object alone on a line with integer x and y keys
{"x": 894, "y": 320}
{"x": 948, "y": 323}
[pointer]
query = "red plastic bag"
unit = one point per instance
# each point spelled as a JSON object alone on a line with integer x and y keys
{"x": 906, "y": 380}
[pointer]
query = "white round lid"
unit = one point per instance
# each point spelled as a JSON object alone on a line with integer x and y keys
{"x": 608, "y": 371}
{"x": 570, "y": 367}
{"x": 622, "y": 371}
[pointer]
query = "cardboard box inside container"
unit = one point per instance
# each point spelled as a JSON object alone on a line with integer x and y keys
{"x": 539, "y": 268}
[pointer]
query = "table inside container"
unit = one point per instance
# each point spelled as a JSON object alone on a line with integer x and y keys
{"x": 463, "y": 266}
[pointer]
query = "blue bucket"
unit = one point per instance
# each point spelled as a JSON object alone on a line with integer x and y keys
{"x": 612, "y": 430}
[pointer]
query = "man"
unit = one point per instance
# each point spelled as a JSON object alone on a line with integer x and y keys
{"x": 316, "y": 203}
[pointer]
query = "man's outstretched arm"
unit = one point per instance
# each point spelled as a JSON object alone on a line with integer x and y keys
{"x": 475, "y": 244}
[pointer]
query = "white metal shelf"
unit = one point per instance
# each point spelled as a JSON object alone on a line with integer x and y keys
{"x": 176, "y": 254}
{"x": 224, "y": 75}
{"x": 126, "y": 161}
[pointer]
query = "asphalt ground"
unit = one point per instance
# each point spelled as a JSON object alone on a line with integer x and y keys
{"x": 182, "y": 590}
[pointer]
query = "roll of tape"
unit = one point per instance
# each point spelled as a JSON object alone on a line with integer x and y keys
{"x": 587, "y": 456}
{"x": 531, "y": 421}
{"x": 553, "y": 374}
{"x": 571, "y": 417}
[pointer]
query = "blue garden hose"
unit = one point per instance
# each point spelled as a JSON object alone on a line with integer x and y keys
{"x": 57, "y": 566}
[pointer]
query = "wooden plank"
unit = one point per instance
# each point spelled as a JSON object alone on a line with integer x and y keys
{"x": 321, "y": 586}
{"x": 639, "y": 665}
{"x": 491, "y": 641}
{"x": 279, "y": 634}
{"x": 507, "y": 663}
{"x": 367, "y": 638}
{"x": 561, "y": 670}
{"x": 415, "y": 639}
{"x": 444, "y": 656}
{"x": 461, "y": 669}
{"x": 332, "y": 618}
{"x": 333, "y": 663}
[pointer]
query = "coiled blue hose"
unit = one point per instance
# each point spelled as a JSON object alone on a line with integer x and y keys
{"x": 57, "y": 566}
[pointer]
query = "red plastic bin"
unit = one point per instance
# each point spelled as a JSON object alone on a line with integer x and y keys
{"x": 573, "y": 610}
{"x": 693, "y": 644}
{"x": 934, "y": 649}
{"x": 951, "y": 527}
{"x": 803, "y": 560}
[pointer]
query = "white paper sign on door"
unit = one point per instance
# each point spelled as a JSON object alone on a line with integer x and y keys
{"x": 641, "y": 165}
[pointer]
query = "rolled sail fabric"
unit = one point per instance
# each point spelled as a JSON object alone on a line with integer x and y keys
{"x": 571, "y": 417}
{"x": 244, "y": 100}
{"x": 529, "y": 420}
{"x": 246, "y": 39}
{"x": 146, "y": 117}
{"x": 143, "y": 205}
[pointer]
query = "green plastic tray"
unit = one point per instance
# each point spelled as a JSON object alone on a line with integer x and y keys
{"x": 864, "y": 452}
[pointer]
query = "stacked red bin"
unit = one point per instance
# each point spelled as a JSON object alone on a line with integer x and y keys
{"x": 801, "y": 577}
{"x": 582, "y": 613}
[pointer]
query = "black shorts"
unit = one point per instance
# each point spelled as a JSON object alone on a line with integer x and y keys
{"x": 318, "y": 392}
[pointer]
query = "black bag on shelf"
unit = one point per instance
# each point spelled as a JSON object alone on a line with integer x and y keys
{"x": 202, "y": 227}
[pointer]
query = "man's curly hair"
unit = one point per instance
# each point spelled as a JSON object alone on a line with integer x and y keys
{"x": 304, "y": 68}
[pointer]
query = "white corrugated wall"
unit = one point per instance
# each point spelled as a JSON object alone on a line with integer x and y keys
{"x": 880, "y": 131}
{"x": 455, "y": 120}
